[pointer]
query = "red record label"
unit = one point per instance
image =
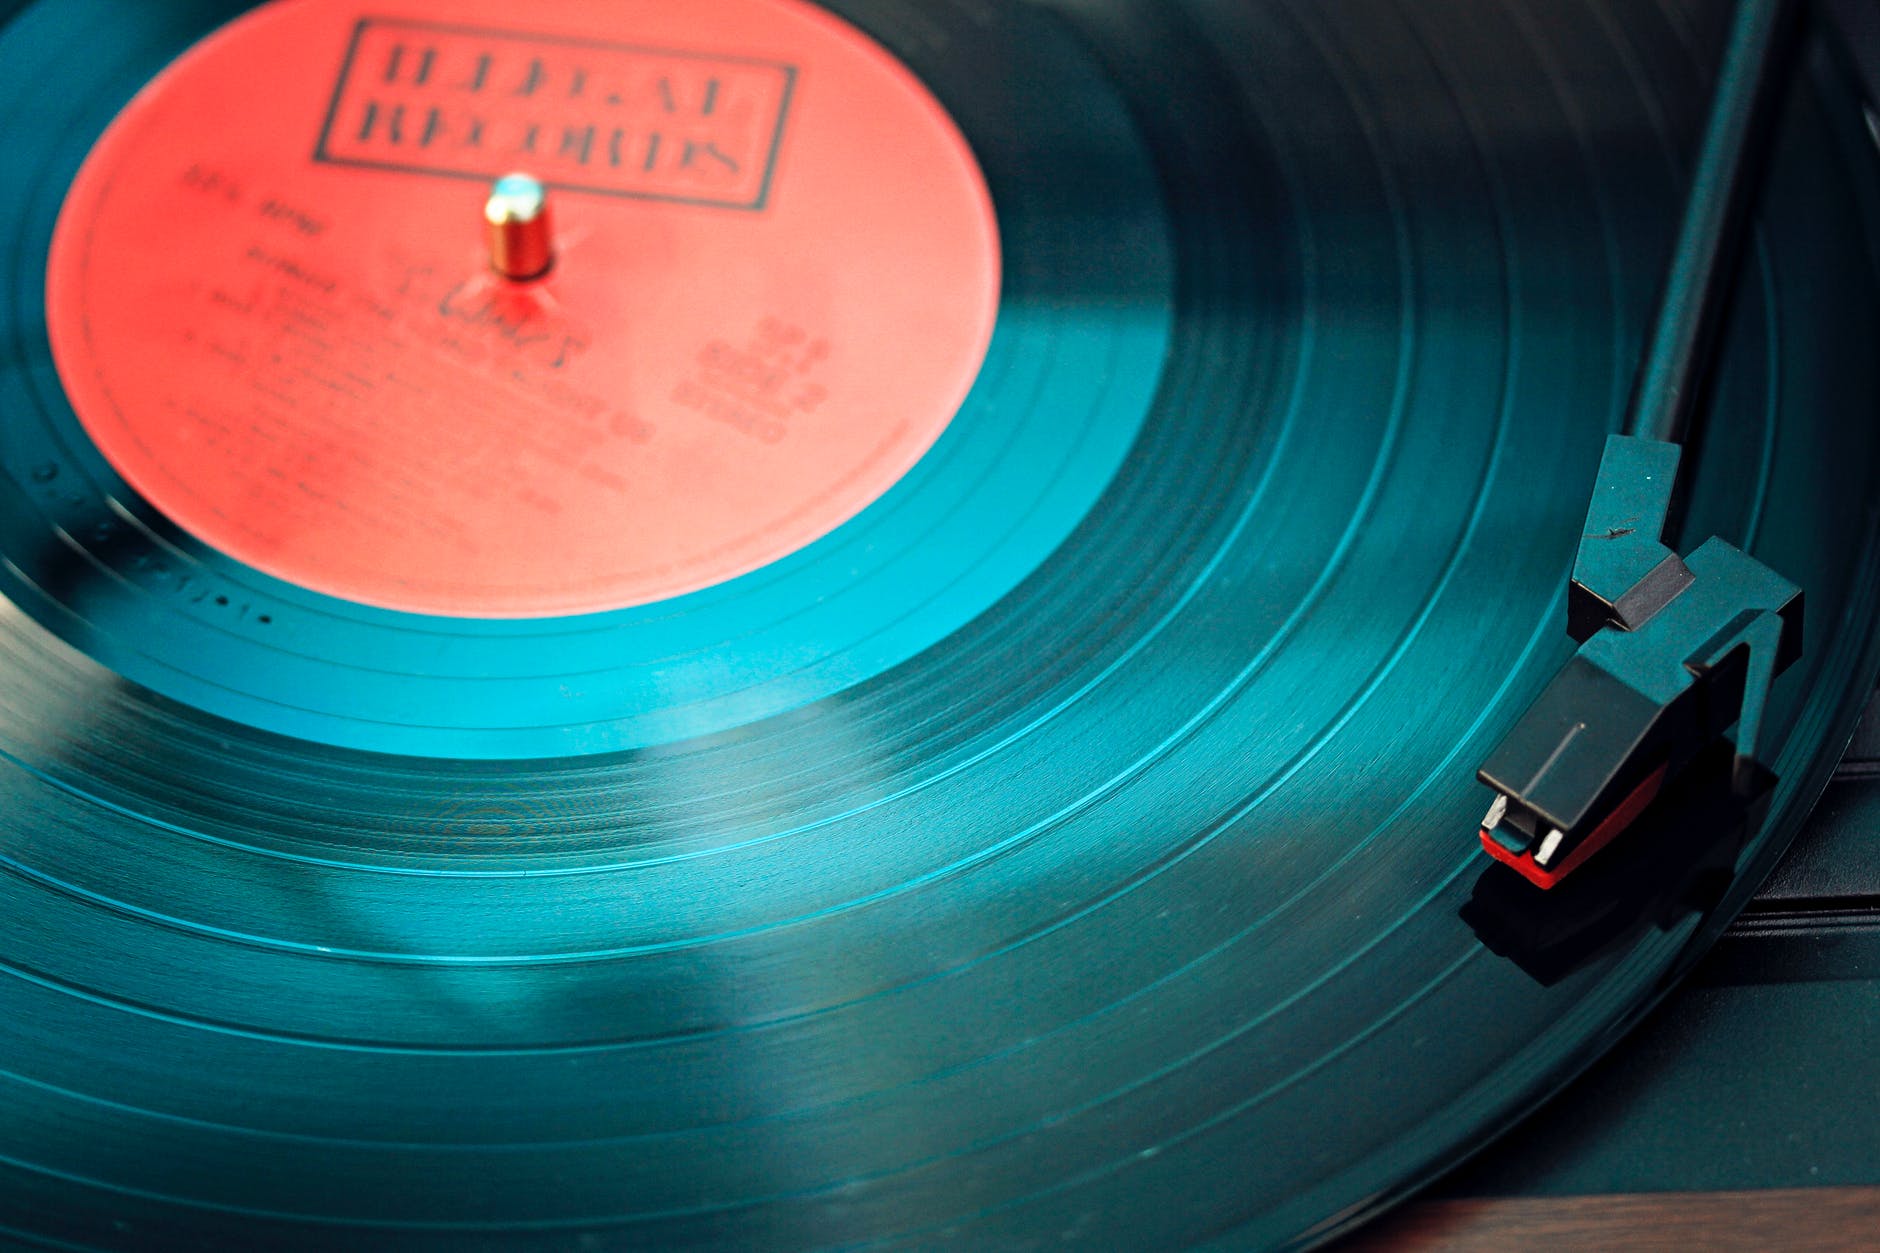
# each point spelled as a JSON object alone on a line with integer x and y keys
{"x": 271, "y": 303}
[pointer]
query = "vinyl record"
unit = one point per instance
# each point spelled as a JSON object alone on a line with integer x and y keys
{"x": 1069, "y": 839}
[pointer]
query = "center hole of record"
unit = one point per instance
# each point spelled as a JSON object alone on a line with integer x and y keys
{"x": 776, "y": 271}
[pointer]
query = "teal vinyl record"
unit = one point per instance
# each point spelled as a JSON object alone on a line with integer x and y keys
{"x": 1076, "y": 846}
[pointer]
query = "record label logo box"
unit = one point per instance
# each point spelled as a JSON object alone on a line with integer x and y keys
{"x": 586, "y": 116}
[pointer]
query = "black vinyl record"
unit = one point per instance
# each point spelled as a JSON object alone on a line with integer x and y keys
{"x": 1127, "y": 894}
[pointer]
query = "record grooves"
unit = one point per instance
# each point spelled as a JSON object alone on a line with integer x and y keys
{"x": 1076, "y": 845}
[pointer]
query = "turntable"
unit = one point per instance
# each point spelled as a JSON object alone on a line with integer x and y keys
{"x": 983, "y": 623}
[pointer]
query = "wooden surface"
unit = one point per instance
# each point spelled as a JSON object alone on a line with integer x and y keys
{"x": 1803, "y": 1220}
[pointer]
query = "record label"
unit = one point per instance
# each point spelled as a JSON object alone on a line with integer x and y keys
{"x": 271, "y": 302}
